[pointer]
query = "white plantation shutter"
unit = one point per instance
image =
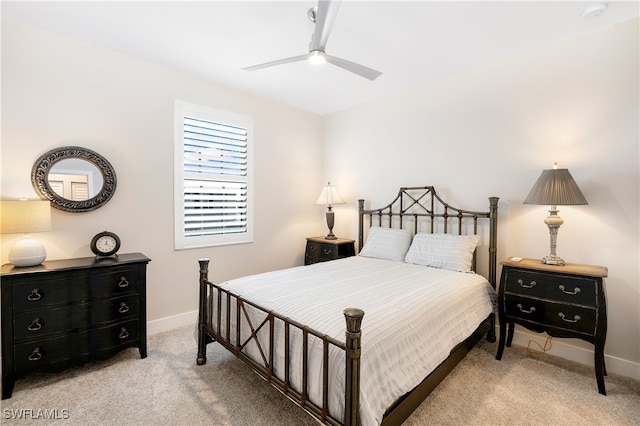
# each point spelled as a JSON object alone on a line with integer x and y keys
{"x": 213, "y": 179}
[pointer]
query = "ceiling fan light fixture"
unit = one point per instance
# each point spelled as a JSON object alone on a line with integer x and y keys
{"x": 317, "y": 57}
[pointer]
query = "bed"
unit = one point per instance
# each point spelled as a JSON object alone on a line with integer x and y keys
{"x": 364, "y": 339}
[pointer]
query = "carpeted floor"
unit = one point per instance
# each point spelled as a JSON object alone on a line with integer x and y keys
{"x": 167, "y": 388}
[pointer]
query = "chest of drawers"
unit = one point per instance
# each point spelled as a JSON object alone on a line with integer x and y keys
{"x": 68, "y": 312}
{"x": 563, "y": 301}
{"x": 319, "y": 249}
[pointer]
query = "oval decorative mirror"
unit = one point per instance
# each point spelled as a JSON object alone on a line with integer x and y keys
{"x": 74, "y": 179}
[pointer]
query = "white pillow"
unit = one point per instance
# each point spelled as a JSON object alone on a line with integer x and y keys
{"x": 444, "y": 251}
{"x": 387, "y": 243}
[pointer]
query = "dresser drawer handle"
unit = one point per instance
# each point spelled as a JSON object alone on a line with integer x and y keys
{"x": 34, "y": 295}
{"x": 530, "y": 285}
{"x": 123, "y": 282}
{"x": 35, "y": 325}
{"x": 123, "y": 308}
{"x": 533, "y": 309}
{"x": 575, "y": 290}
{"x": 327, "y": 251}
{"x": 123, "y": 333}
{"x": 576, "y": 318}
{"x": 35, "y": 355}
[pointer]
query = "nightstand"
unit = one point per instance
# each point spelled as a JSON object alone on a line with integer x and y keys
{"x": 564, "y": 301}
{"x": 320, "y": 249}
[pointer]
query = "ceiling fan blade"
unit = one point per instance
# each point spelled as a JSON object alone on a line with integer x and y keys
{"x": 278, "y": 62}
{"x": 325, "y": 17}
{"x": 361, "y": 70}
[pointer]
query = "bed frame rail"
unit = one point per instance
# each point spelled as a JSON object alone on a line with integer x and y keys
{"x": 215, "y": 328}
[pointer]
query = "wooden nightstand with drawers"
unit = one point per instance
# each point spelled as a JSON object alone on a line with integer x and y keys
{"x": 565, "y": 301}
{"x": 320, "y": 249}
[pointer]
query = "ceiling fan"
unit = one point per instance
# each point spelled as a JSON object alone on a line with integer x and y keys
{"x": 323, "y": 16}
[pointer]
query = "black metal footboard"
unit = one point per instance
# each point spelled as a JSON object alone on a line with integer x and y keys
{"x": 216, "y": 325}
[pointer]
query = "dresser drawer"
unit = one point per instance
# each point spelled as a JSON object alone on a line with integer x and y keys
{"x": 558, "y": 287}
{"x": 117, "y": 335}
{"x": 318, "y": 252}
{"x": 115, "y": 281}
{"x": 36, "y": 293}
{"x": 114, "y": 309}
{"x": 34, "y": 324}
{"x": 45, "y": 353}
{"x": 559, "y": 315}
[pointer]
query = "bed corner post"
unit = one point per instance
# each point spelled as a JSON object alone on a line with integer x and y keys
{"x": 360, "y": 223}
{"x": 493, "y": 243}
{"x": 493, "y": 230}
{"x": 202, "y": 341}
{"x": 352, "y": 380}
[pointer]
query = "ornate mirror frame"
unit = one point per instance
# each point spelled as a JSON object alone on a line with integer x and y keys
{"x": 43, "y": 165}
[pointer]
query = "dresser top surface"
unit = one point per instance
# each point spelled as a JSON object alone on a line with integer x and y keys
{"x": 567, "y": 268}
{"x": 77, "y": 263}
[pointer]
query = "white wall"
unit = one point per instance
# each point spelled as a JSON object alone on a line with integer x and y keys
{"x": 57, "y": 92}
{"x": 491, "y": 131}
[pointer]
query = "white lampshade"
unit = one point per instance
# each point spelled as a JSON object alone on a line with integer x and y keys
{"x": 25, "y": 217}
{"x": 329, "y": 196}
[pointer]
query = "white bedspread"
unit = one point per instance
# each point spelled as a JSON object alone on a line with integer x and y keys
{"x": 406, "y": 306}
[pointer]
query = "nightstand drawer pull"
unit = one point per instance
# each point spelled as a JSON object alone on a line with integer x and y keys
{"x": 575, "y": 290}
{"x": 123, "y": 333}
{"x": 34, "y": 295}
{"x": 123, "y": 308}
{"x": 35, "y": 325}
{"x": 530, "y": 285}
{"x": 123, "y": 282}
{"x": 576, "y": 318}
{"x": 532, "y": 310}
{"x": 327, "y": 251}
{"x": 35, "y": 355}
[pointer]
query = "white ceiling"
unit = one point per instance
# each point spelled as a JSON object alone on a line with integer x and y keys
{"x": 411, "y": 42}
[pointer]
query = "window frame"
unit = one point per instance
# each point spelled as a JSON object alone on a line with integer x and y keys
{"x": 184, "y": 109}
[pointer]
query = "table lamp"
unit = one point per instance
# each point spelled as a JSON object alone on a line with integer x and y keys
{"x": 25, "y": 217}
{"x": 555, "y": 187}
{"x": 329, "y": 196}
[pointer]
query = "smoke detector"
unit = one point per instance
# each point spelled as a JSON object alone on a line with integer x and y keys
{"x": 595, "y": 10}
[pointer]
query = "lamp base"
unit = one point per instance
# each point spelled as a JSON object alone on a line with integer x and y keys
{"x": 553, "y": 221}
{"x": 330, "y": 219}
{"x": 27, "y": 252}
{"x": 553, "y": 260}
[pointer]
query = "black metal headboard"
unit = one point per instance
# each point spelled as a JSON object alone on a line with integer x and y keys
{"x": 422, "y": 210}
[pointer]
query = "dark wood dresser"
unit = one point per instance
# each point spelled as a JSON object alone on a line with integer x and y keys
{"x": 68, "y": 312}
{"x": 564, "y": 301}
{"x": 319, "y": 249}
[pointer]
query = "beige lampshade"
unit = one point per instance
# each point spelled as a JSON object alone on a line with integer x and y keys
{"x": 555, "y": 187}
{"x": 25, "y": 216}
{"x": 329, "y": 196}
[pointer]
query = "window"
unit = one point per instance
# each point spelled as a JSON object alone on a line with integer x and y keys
{"x": 213, "y": 177}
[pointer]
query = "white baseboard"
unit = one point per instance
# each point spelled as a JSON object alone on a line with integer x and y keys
{"x": 172, "y": 322}
{"x": 563, "y": 349}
